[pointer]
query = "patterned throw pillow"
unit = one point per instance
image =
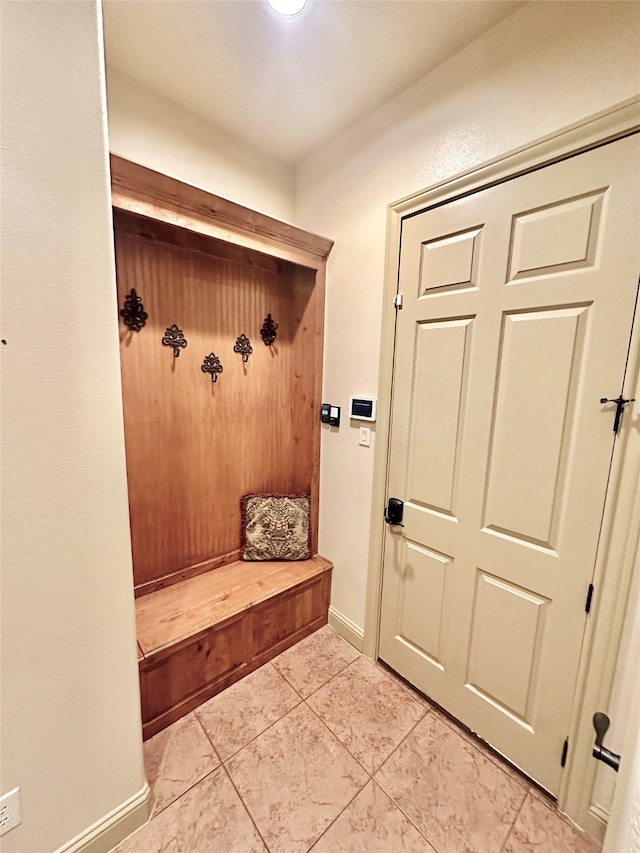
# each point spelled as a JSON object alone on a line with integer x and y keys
{"x": 276, "y": 527}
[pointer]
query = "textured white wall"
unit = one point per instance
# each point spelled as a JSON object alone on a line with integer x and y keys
{"x": 546, "y": 66}
{"x": 153, "y": 130}
{"x": 70, "y": 699}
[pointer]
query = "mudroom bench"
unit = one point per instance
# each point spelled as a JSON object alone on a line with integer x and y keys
{"x": 198, "y": 636}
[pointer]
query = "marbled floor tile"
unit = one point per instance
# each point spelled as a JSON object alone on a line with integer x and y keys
{"x": 295, "y": 779}
{"x": 176, "y": 758}
{"x": 456, "y": 797}
{"x": 247, "y": 708}
{"x": 539, "y": 828}
{"x": 484, "y": 748}
{"x": 406, "y": 686}
{"x": 367, "y": 710}
{"x": 372, "y": 824}
{"x": 209, "y": 817}
{"x": 313, "y": 661}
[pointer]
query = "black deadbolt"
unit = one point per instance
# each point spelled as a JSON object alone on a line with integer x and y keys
{"x": 395, "y": 511}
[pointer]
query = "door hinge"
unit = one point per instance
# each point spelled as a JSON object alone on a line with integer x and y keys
{"x": 397, "y": 300}
{"x": 565, "y": 750}
{"x": 587, "y": 606}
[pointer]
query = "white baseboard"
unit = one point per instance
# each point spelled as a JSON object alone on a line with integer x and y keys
{"x": 596, "y": 822}
{"x": 114, "y": 827}
{"x": 347, "y": 629}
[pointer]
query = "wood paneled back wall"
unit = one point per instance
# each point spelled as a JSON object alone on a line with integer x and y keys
{"x": 195, "y": 447}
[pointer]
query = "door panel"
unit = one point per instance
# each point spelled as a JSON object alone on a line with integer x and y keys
{"x": 424, "y": 581}
{"x": 540, "y": 362}
{"x": 518, "y": 304}
{"x": 506, "y": 638}
{"x": 556, "y": 237}
{"x": 441, "y": 358}
{"x": 450, "y": 263}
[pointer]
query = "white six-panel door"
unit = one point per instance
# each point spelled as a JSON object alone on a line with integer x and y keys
{"x": 518, "y": 307}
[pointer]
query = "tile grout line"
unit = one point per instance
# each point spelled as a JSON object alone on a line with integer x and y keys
{"x": 487, "y": 751}
{"x": 335, "y": 675}
{"x": 206, "y": 734}
{"x": 388, "y": 793}
{"x": 302, "y": 701}
{"x": 513, "y": 823}
{"x": 402, "y": 812}
{"x": 334, "y": 735}
{"x": 246, "y": 808}
{"x": 426, "y": 711}
{"x": 255, "y": 737}
{"x": 320, "y": 686}
{"x": 223, "y": 767}
{"x": 370, "y": 778}
{"x": 370, "y": 775}
{"x": 399, "y": 744}
{"x": 179, "y": 797}
{"x": 282, "y": 675}
{"x": 341, "y": 812}
{"x": 155, "y": 814}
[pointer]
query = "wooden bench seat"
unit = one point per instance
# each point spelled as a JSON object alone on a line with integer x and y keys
{"x": 200, "y": 635}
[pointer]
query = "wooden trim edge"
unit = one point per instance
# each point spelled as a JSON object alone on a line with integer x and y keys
{"x": 185, "y": 574}
{"x": 141, "y": 190}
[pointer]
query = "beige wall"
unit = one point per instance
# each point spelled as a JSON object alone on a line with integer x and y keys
{"x": 70, "y": 700}
{"x": 149, "y": 128}
{"x": 546, "y": 66}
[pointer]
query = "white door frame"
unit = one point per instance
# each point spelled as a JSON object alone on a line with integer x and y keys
{"x": 621, "y": 525}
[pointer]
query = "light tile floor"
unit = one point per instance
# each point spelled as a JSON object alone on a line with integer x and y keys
{"x": 324, "y": 750}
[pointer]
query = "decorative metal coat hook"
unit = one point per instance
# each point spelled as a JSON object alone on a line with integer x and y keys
{"x": 133, "y": 313}
{"x": 268, "y": 330}
{"x": 211, "y": 364}
{"x": 243, "y": 346}
{"x": 174, "y": 337}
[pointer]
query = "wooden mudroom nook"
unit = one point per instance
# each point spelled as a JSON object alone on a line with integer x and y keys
{"x": 214, "y": 408}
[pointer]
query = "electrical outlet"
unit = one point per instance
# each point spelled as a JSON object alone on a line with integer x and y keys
{"x": 10, "y": 810}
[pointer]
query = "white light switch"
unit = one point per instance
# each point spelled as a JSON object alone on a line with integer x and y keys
{"x": 365, "y": 437}
{"x": 10, "y": 810}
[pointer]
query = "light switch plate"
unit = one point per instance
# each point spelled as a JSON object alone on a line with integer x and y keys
{"x": 365, "y": 437}
{"x": 10, "y": 810}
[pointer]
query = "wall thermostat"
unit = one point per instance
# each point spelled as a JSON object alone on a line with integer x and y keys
{"x": 362, "y": 408}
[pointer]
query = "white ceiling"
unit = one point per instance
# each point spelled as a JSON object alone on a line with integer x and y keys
{"x": 289, "y": 85}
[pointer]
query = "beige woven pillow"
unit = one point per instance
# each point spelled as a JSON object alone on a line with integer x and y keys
{"x": 275, "y": 527}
